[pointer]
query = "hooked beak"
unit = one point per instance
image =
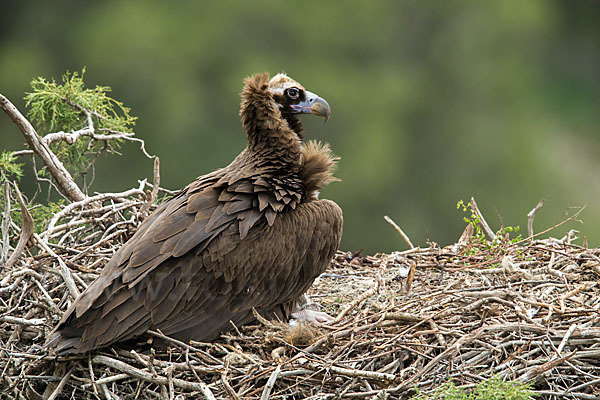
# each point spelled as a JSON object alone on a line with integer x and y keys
{"x": 313, "y": 105}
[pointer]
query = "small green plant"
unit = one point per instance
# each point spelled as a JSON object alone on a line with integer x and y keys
{"x": 491, "y": 389}
{"x": 473, "y": 219}
{"x": 507, "y": 230}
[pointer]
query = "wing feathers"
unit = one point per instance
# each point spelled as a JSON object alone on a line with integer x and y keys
{"x": 202, "y": 200}
{"x": 195, "y": 234}
{"x": 173, "y": 224}
{"x": 205, "y": 259}
{"x": 218, "y": 218}
{"x": 248, "y": 219}
{"x": 270, "y": 215}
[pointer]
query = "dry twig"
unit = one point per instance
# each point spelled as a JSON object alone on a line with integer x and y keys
{"x": 531, "y": 216}
{"x": 399, "y": 230}
{"x": 26, "y": 230}
{"x": 482, "y": 222}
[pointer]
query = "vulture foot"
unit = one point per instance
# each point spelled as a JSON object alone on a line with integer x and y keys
{"x": 314, "y": 317}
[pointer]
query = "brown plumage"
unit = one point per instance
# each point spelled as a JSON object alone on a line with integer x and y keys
{"x": 250, "y": 235}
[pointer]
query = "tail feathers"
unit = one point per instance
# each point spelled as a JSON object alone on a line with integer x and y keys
{"x": 62, "y": 345}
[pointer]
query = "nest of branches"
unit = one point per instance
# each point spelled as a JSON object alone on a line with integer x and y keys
{"x": 525, "y": 311}
{"x": 486, "y": 307}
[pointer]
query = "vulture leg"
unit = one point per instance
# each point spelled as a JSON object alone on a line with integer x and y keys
{"x": 313, "y": 317}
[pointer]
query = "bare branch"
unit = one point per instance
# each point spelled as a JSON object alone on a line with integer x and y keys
{"x": 72, "y": 137}
{"x": 89, "y": 131}
{"x": 488, "y": 231}
{"x": 357, "y": 373}
{"x": 147, "y": 376}
{"x": 64, "y": 271}
{"x": 89, "y": 200}
{"x": 61, "y": 385}
{"x": 22, "y": 153}
{"x": 63, "y": 178}
{"x": 270, "y": 383}
{"x": 535, "y": 371}
{"x": 26, "y": 231}
{"x": 564, "y": 221}
{"x": 22, "y": 321}
{"x": 130, "y": 138}
{"x": 531, "y": 216}
{"x": 5, "y": 224}
{"x": 400, "y": 231}
{"x": 155, "y": 186}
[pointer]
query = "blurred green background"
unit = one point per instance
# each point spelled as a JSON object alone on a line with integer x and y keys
{"x": 433, "y": 101}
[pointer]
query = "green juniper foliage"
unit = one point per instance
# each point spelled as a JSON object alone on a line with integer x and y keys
{"x": 9, "y": 167}
{"x": 491, "y": 389}
{"x": 42, "y": 214}
{"x": 11, "y": 170}
{"x": 57, "y": 107}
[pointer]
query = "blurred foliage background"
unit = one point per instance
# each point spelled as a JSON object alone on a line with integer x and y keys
{"x": 433, "y": 101}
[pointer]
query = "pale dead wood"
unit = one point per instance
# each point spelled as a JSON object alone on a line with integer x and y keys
{"x": 26, "y": 230}
{"x": 63, "y": 178}
{"x": 6, "y": 220}
{"x": 531, "y": 216}
{"x": 539, "y": 370}
{"x": 88, "y": 131}
{"x": 270, "y": 383}
{"x": 147, "y": 376}
{"x": 155, "y": 184}
{"x": 400, "y": 231}
{"x": 558, "y": 224}
{"x": 22, "y": 321}
{"x": 64, "y": 271}
{"x": 357, "y": 301}
{"x": 482, "y": 222}
{"x": 61, "y": 385}
{"x": 88, "y": 201}
{"x": 227, "y": 386}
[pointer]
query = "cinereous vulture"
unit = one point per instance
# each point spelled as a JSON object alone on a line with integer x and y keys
{"x": 251, "y": 235}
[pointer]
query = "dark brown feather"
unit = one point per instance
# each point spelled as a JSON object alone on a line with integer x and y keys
{"x": 251, "y": 235}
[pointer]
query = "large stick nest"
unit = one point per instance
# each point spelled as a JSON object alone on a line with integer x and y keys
{"x": 526, "y": 311}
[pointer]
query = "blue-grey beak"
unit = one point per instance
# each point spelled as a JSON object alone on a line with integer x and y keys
{"x": 313, "y": 105}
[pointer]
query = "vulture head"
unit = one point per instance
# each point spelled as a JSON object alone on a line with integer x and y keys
{"x": 292, "y": 98}
{"x": 270, "y": 107}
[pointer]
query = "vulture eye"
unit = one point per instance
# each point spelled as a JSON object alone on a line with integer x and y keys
{"x": 293, "y": 93}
